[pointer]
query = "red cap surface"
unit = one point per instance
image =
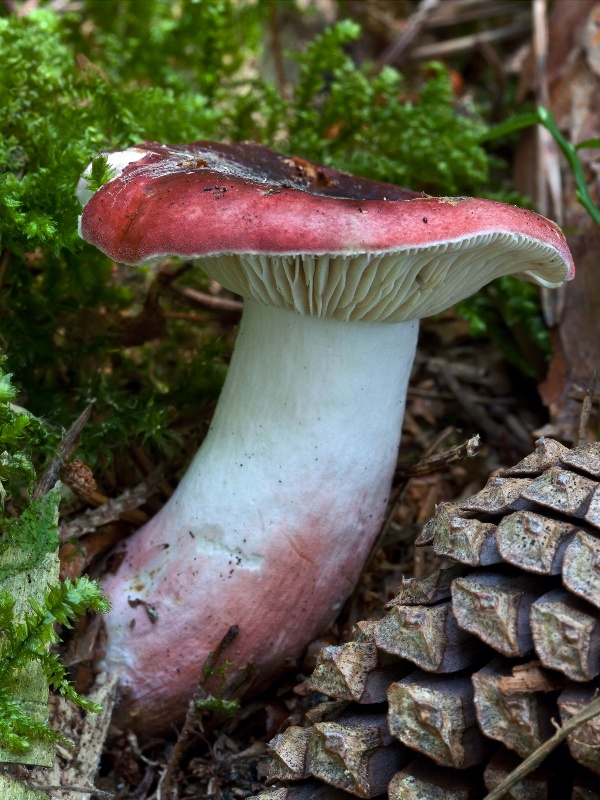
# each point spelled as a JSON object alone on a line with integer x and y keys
{"x": 206, "y": 198}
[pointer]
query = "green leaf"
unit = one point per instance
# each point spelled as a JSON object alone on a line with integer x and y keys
{"x": 595, "y": 143}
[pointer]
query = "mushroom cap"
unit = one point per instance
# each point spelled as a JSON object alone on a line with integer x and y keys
{"x": 303, "y": 236}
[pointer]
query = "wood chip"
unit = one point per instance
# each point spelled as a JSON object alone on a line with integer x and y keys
{"x": 520, "y": 720}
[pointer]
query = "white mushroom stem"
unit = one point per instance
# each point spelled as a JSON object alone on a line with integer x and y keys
{"x": 272, "y": 522}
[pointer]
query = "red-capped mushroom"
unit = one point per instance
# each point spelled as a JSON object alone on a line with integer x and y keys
{"x": 271, "y": 524}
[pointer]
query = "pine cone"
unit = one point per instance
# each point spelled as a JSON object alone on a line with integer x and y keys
{"x": 79, "y": 478}
{"x": 466, "y": 673}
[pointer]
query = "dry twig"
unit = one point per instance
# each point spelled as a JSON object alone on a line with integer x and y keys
{"x": 112, "y": 510}
{"x": 536, "y": 758}
{"x": 67, "y": 446}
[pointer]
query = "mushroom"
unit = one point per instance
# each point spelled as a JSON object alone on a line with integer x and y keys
{"x": 271, "y": 524}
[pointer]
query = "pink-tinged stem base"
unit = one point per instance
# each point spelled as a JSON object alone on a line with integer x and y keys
{"x": 270, "y": 526}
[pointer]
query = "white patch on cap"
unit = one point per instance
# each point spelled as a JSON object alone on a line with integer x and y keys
{"x": 118, "y": 161}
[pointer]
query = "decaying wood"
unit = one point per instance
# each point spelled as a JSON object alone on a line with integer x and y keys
{"x": 531, "y": 677}
{"x": 566, "y": 636}
{"x": 496, "y": 609}
{"x": 563, "y": 491}
{"x": 288, "y": 755}
{"x": 429, "y": 590}
{"x": 427, "y": 636}
{"x": 584, "y": 741}
{"x": 15, "y": 790}
{"x": 581, "y": 567}
{"x": 534, "y": 786}
{"x": 466, "y": 540}
{"x": 422, "y": 780}
{"x": 499, "y": 496}
{"x": 355, "y": 753}
{"x": 354, "y": 671}
{"x": 520, "y": 720}
{"x": 588, "y": 712}
{"x": 533, "y": 542}
{"x": 435, "y": 716}
{"x": 437, "y": 461}
{"x": 548, "y": 453}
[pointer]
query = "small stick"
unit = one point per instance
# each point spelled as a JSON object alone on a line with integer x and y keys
{"x": 112, "y": 509}
{"x": 462, "y": 44}
{"x": 535, "y": 759}
{"x": 166, "y": 786}
{"x": 395, "y": 51}
{"x": 584, "y": 744}
{"x": 68, "y": 444}
{"x": 393, "y": 509}
{"x": 586, "y": 410}
{"x": 478, "y": 414}
{"x": 208, "y": 301}
{"x": 437, "y": 461}
{"x": 535, "y": 785}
